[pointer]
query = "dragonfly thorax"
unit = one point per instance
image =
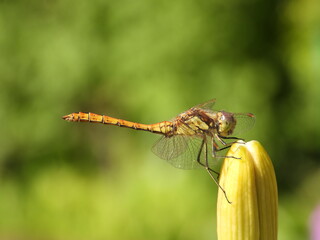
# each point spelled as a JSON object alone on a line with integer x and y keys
{"x": 203, "y": 122}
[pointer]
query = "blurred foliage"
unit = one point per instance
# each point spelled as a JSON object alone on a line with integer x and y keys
{"x": 148, "y": 61}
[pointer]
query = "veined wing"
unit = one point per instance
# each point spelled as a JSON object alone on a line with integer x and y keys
{"x": 182, "y": 151}
{"x": 170, "y": 147}
{"x": 245, "y": 121}
{"x": 208, "y": 105}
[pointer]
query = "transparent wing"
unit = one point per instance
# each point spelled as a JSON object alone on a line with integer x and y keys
{"x": 182, "y": 151}
{"x": 245, "y": 121}
{"x": 170, "y": 147}
{"x": 207, "y": 105}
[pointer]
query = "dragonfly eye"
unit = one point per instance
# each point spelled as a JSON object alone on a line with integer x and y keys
{"x": 226, "y": 122}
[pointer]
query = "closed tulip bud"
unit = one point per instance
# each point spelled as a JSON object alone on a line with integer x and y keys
{"x": 248, "y": 178}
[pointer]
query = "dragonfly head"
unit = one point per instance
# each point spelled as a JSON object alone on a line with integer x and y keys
{"x": 226, "y": 123}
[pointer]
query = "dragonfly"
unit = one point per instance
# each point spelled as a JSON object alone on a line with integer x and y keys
{"x": 193, "y": 139}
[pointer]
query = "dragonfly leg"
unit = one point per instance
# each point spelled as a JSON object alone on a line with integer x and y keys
{"x": 220, "y": 138}
{"x": 226, "y": 145}
{"x": 205, "y": 165}
{"x": 232, "y": 138}
{"x": 208, "y": 170}
{"x": 223, "y": 148}
{"x": 216, "y": 148}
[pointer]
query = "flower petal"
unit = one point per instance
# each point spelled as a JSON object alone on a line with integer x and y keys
{"x": 248, "y": 178}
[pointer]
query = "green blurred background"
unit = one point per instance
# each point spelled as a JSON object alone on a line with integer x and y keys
{"x": 147, "y": 61}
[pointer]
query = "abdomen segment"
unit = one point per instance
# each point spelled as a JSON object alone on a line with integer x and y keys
{"x": 164, "y": 127}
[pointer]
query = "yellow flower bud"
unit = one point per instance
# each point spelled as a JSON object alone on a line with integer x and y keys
{"x": 249, "y": 180}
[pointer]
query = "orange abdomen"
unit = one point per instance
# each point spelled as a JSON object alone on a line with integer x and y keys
{"x": 161, "y": 128}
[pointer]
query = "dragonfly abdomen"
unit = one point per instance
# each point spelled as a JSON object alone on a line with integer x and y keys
{"x": 160, "y": 128}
